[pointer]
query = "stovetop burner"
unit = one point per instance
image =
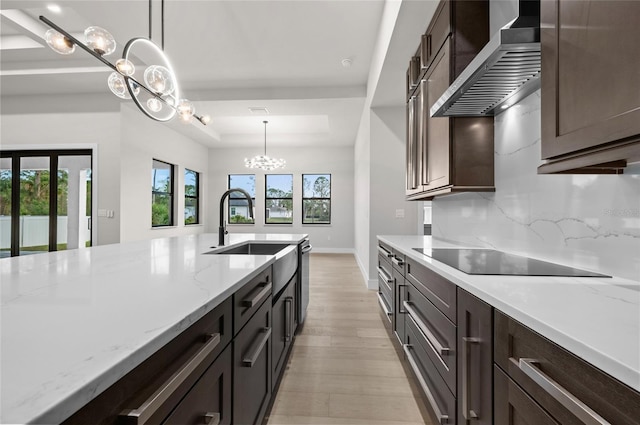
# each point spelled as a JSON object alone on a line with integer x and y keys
{"x": 492, "y": 262}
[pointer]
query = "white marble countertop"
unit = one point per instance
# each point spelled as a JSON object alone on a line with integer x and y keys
{"x": 597, "y": 319}
{"x": 74, "y": 322}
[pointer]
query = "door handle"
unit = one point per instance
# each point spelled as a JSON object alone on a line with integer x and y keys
{"x": 211, "y": 418}
{"x": 466, "y": 377}
{"x": 256, "y": 348}
{"x": 254, "y": 301}
{"x": 442, "y": 418}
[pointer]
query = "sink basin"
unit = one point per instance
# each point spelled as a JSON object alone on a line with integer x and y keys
{"x": 252, "y": 249}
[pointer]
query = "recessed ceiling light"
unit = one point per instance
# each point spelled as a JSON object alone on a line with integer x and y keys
{"x": 505, "y": 106}
{"x": 259, "y": 110}
{"x": 54, "y": 8}
{"x": 347, "y": 62}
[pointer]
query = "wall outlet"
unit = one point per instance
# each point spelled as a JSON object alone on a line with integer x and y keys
{"x": 400, "y": 213}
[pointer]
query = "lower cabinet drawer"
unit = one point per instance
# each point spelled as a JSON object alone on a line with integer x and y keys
{"x": 435, "y": 333}
{"x": 441, "y": 292}
{"x": 251, "y": 296}
{"x": 571, "y": 390}
{"x": 439, "y": 399}
{"x": 209, "y": 401}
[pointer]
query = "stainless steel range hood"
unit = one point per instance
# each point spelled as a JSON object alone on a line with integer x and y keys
{"x": 505, "y": 71}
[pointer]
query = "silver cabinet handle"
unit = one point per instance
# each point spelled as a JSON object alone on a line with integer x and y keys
{"x": 401, "y": 296}
{"x": 433, "y": 341}
{"x": 254, "y": 301}
{"x": 211, "y": 418}
{"x": 307, "y": 248}
{"x": 384, "y": 306}
{"x": 384, "y": 275}
{"x": 143, "y": 413}
{"x": 384, "y": 252}
{"x": 560, "y": 394}
{"x": 257, "y": 347}
{"x": 287, "y": 318}
{"x": 442, "y": 419}
{"x": 397, "y": 261}
{"x": 466, "y": 377}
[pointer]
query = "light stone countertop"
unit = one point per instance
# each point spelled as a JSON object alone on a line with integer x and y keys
{"x": 597, "y": 319}
{"x": 74, "y": 322}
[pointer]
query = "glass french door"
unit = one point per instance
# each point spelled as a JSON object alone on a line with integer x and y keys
{"x": 45, "y": 201}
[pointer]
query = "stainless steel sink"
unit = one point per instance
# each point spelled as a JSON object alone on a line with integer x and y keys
{"x": 252, "y": 249}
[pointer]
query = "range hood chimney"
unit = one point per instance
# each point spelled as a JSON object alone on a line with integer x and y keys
{"x": 504, "y": 72}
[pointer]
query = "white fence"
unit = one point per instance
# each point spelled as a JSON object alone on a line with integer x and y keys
{"x": 35, "y": 230}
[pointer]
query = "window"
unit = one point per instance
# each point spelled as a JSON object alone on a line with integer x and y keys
{"x": 162, "y": 194}
{"x": 238, "y": 205}
{"x": 279, "y": 198}
{"x": 191, "y": 197}
{"x": 316, "y": 198}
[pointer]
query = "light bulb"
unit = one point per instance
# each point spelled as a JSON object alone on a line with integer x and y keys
{"x": 59, "y": 43}
{"x": 125, "y": 67}
{"x": 99, "y": 40}
{"x": 185, "y": 110}
{"x": 159, "y": 79}
{"x": 205, "y": 119}
{"x": 154, "y": 104}
{"x": 118, "y": 86}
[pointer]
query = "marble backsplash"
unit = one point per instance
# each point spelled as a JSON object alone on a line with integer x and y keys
{"x": 586, "y": 221}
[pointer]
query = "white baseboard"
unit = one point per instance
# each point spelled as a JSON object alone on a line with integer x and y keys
{"x": 333, "y": 250}
{"x": 371, "y": 284}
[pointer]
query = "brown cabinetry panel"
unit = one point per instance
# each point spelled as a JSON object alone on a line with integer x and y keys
{"x": 283, "y": 328}
{"x": 590, "y": 85}
{"x": 437, "y": 289}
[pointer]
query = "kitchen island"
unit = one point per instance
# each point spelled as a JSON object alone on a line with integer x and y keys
{"x": 75, "y": 322}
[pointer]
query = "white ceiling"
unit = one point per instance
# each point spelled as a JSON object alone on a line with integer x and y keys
{"x": 228, "y": 56}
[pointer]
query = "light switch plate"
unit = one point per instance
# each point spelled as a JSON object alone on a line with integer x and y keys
{"x": 400, "y": 213}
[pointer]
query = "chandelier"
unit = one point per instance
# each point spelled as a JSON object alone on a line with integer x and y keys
{"x": 143, "y": 74}
{"x": 263, "y": 161}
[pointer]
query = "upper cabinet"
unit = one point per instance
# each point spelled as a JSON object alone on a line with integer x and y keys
{"x": 590, "y": 85}
{"x": 446, "y": 155}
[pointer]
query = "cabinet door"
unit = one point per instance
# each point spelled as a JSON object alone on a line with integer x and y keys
{"x": 475, "y": 360}
{"x": 437, "y": 136}
{"x": 414, "y": 144}
{"x": 252, "y": 368}
{"x": 209, "y": 401}
{"x": 283, "y": 329}
{"x": 591, "y": 83}
{"x": 399, "y": 313}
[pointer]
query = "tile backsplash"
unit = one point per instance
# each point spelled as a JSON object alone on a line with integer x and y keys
{"x": 587, "y": 221}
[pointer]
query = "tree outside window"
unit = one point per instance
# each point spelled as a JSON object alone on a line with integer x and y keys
{"x": 316, "y": 198}
{"x": 238, "y": 209}
{"x": 279, "y": 198}
{"x": 162, "y": 194}
{"x": 191, "y": 197}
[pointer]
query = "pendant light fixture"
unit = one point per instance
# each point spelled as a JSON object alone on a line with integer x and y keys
{"x": 263, "y": 161}
{"x": 143, "y": 74}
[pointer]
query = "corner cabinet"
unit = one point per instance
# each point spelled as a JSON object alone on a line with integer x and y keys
{"x": 447, "y": 155}
{"x": 590, "y": 85}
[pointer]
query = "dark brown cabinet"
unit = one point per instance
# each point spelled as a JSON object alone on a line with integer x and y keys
{"x": 475, "y": 360}
{"x": 590, "y": 85}
{"x": 446, "y": 155}
{"x": 284, "y": 327}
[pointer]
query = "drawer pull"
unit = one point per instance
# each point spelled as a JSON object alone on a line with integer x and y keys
{"x": 401, "y": 296}
{"x": 397, "y": 262}
{"x": 211, "y": 418}
{"x": 384, "y": 252}
{"x": 257, "y": 347}
{"x": 261, "y": 293}
{"x": 466, "y": 377}
{"x": 425, "y": 330}
{"x": 560, "y": 394}
{"x": 143, "y": 413}
{"x": 384, "y": 305}
{"x": 384, "y": 275}
{"x": 287, "y": 318}
{"x": 442, "y": 419}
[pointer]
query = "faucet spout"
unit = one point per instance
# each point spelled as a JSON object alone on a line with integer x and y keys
{"x": 222, "y": 229}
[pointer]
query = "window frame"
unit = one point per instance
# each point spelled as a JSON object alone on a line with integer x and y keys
{"x": 196, "y": 198}
{"x": 268, "y": 198}
{"x": 304, "y": 222}
{"x": 172, "y": 170}
{"x": 253, "y": 199}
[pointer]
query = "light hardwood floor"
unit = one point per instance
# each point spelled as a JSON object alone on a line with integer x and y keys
{"x": 343, "y": 368}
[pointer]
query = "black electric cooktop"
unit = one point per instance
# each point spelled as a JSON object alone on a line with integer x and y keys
{"x": 492, "y": 262}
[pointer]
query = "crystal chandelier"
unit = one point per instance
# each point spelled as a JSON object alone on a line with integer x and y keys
{"x": 263, "y": 161}
{"x": 143, "y": 74}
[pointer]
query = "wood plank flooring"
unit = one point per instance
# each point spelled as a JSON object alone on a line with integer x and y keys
{"x": 343, "y": 368}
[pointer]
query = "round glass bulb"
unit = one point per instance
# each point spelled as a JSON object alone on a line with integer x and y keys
{"x": 185, "y": 110}
{"x": 159, "y": 79}
{"x": 118, "y": 86}
{"x": 59, "y": 43}
{"x": 99, "y": 40}
{"x": 154, "y": 104}
{"x": 125, "y": 67}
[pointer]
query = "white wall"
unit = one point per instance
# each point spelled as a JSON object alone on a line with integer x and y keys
{"x": 586, "y": 221}
{"x": 144, "y": 140}
{"x": 76, "y": 131}
{"x": 337, "y": 161}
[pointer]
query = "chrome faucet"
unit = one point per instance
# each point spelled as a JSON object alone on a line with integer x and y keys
{"x": 222, "y": 229}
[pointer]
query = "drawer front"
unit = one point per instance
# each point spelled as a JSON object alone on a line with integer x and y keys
{"x": 437, "y": 289}
{"x": 210, "y": 398}
{"x": 385, "y": 252}
{"x": 384, "y": 265}
{"x": 250, "y": 297}
{"x": 437, "y": 395}
{"x": 435, "y": 333}
{"x": 398, "y": 261}
{"x": 512, "y": 406}
{"x": 538, "y": 365}
{"x": 400, "y": 290}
